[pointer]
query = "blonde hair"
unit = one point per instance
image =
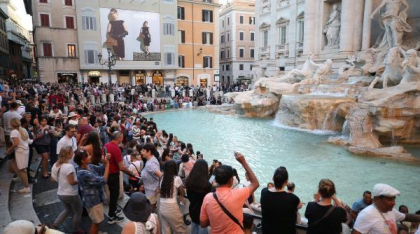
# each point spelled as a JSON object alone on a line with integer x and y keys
{"x": 23, "y": 133}
{"x": 64, "y": 153}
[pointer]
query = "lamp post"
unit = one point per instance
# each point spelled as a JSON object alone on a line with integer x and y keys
{"x": 110, "y": 63}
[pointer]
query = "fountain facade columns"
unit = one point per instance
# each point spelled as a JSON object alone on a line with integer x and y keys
{"x": 310, "y": 20}
{"x": 367, "y": 25}
{"x": 358, "y": 32}
{"x": 348, "y": 25}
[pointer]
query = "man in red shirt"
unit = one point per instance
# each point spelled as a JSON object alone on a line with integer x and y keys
{"x": 115, "y": 166}
{"x": 83, "y": 128}
{"x": 232, "y": 199}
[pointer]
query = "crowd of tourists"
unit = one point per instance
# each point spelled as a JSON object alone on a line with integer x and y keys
{"x": 99, "y": 153}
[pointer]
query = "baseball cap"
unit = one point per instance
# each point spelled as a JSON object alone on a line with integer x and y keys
{"x": 20, "y": 226}
{"x": 385, "y": 190}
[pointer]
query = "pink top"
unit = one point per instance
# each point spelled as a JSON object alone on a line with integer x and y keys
{"x": 233, "y": 200}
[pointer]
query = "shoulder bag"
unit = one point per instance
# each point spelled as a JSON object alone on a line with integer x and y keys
{"x": 227, "y": 212}
{"x": 323, "y": 217}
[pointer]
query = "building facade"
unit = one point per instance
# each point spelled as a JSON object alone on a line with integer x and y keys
{"x": 19, "y": 44}
{"x": 237, "y": 41}
{"x": 198, "y": 37}
{"x": 55, "y": 37}
{"x": 290, "y": 30}
{"x": 4, "y": 46}
{"x": 280, "y": 33}
{"x": 141, "y": 34}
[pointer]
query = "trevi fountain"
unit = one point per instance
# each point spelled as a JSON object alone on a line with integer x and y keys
{"x": 372, "y": 97}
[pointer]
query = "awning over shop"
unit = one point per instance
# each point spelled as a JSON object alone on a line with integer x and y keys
{"x": 94, "y": 74}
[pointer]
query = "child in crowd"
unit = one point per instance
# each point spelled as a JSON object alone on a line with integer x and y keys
{"x": 135, "y": 166}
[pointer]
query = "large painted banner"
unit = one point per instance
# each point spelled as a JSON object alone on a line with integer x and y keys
{"x": 132, "y": 35}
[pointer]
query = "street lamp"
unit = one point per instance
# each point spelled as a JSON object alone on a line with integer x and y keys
{"x": 200, "y": 51}
{"x": 112, "y": 59}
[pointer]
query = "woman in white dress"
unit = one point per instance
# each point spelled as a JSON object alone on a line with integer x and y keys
{"x": 18, "y": 164}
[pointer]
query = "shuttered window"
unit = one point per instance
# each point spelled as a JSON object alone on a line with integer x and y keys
{"x": 69, "y": 22}
{"x": 45, "y": 20}
{"x": 182, "y": 36}
{"x": 181, "y": 61}
{"x": 91, "y": 56}
{"x": 207, "y": 62}
{"x": 89, "y": 23}
{"x": 168, "y": 29}
{"x": 47, "y": 49}
{"x": 169, "y": 58}
{"x": 207, "y": 15}
{"x": 181, "y": 13}
{"x": 207, "y": 38}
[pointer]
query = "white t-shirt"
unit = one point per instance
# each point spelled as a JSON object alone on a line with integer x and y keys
{"x": 66, "y": 141}
{"x": 136, "y": 167}
{"x": 371, "y": 221}
{"x": 7, "y": 120}
{"x": 177, "y": 183}
{"x": 64, "y": 188}
{"x": 418, "y": 231}
{"x": 22, "y": 144}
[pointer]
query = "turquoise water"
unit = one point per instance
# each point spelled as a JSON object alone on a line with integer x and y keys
{"x": 307, "y": 156}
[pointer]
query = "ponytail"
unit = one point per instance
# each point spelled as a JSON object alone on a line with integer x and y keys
{"x": 23, "y": 133}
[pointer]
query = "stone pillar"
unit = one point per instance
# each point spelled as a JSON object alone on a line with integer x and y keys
{"x": 191, "y": 93}
{"x": 92, "y": 99}
{"x": 348, "y": 12}
{"x": 173, "y": 93}
{"x": 103, "y": 98}
{"x": 310, "y": 19}
{"x": 292, "y": 30}
{"x": 183, "y": 93}
{"x": 111, "y": 98}
{"x": 358, "y": 31}
{"x": 367, "y": 25}
{"x": 153, "y": 93}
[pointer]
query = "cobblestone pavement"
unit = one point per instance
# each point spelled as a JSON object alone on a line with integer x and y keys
{"x": 48, "y": 207}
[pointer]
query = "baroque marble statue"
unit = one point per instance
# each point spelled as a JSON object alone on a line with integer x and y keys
{"x": 332, "y": 28}
{"x": 323, "y": 70}
{"x": 393, "y": 21}
{"x": 305, "y": 72}
{"x": 411, "y": 66}
{"x": 393, "y": 71}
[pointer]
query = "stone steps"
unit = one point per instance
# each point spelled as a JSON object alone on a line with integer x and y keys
{"x": 5, "y": 183}
{"x": 15, "y": 206}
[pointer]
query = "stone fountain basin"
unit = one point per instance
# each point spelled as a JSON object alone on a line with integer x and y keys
{"x": 312, "y": 111}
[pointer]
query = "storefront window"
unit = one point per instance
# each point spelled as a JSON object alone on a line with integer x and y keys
{"x": 182, "y": 81}
{"x": 157, "y": 78}
{"x": 203, "y": 82}
{"x": 140, "y": 79}
{"x": 70, "y": 78}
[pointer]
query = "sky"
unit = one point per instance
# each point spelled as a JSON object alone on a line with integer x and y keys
{"x": 26, "y": 19}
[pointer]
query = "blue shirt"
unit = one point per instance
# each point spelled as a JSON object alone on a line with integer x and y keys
{"x": 359, "y": 206}
{"x": 150, "y": 181}
{"x": 91, "y": 185}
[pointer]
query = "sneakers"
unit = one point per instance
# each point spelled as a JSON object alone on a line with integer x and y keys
{"x": 25, "y": 190}
{"x": 115, "y": 219}
{"x": 118, "y": 212}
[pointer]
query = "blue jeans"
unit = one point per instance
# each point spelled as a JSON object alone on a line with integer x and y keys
{"x": 197, "y": 229}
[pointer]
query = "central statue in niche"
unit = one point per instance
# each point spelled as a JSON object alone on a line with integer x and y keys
{"x": 394, "y": 21}
{"x": 332, "y": 28}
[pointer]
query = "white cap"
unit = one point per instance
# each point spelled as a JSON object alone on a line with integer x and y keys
{"x": 72, "y": 114}
{"x": 385, "y": 190}
{"x": 20, "y": 226}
